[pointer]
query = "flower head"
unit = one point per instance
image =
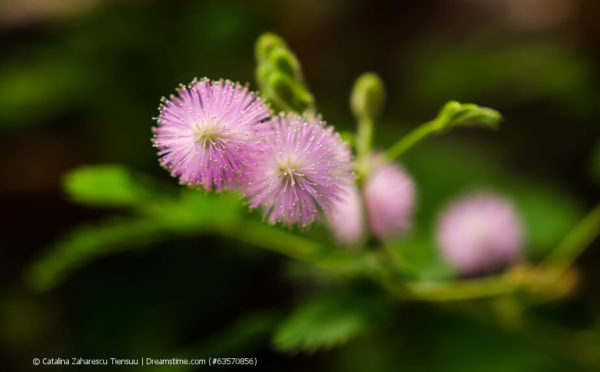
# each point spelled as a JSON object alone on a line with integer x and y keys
{"x": 479, "y": 233}
{"x": 347, "y": 217}
{"x": 389, "y": 198}
{"x": 302, "y": 167}
{"x": 207, "y": 130}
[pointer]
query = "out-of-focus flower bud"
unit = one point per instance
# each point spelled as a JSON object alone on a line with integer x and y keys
{"x": 480, "y": 233}
{"x": 390, "y": 200}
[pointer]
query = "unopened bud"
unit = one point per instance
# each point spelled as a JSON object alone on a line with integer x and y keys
{"x": 467, "y": 114}
{"x": 289, "y": 91}
{"x": 285, "y": 62}
{"x": 265, "y": 45}
{"x": 368, "y": 96}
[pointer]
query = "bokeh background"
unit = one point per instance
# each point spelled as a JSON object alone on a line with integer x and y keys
{"x": 80, "y": 81}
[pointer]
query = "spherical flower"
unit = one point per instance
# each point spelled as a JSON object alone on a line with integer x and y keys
{"x": 207, "y": 130}
{"x": 347, "y": 216}
{"x": 389, "y": 198}
{"x": 480, "y": 233}
{"x": 302, "y": 167}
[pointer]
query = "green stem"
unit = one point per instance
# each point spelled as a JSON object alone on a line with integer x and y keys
{"x": 364, "y": 140}
{"x": 276, "y": 240}
{"x": 574, "y": 243}
{"x": 412, "y": 138}
{"x": 460, "y": 290}
{"x": 371, "y": 264}
{"x": 305, "y": 250}
{"x": 452, "y": 114}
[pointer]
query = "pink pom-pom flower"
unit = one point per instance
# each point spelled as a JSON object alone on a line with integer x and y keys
{"x": 207, "y": 130}
{"x": 301, "y": 167}
{"x": 480, "y": 233}
{"x": 390, "y": 199}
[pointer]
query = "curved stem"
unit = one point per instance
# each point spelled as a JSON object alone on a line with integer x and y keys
{"x": 411, "y": 139}
{"x": 574, "y": 243}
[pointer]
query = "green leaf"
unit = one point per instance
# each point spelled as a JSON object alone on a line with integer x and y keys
{"x": 108, "y": 185}
{"x": 88, "y": 243}
{"x": 329, "y": 321}
{"x": 193, "y": 213}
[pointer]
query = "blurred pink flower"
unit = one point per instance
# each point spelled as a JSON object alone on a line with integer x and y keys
{"x": 480, "y": 233}
{"x": 347, "y": 216}
{"x": 301, "y": 167}
{"x": 389, "y": 198}
{"x": 206, "y": 132}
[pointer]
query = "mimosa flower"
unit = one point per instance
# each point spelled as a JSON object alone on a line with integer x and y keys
{"x": 301, "y": 168}
{"x": 207, "y": 130}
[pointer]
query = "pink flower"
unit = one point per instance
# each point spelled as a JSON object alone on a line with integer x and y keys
{"x": 347, "y": 216}
{"x": 480, "y": 233}
{"x": 206, "y": 132}
{"x": 389, "y": 198}
{"x": 301, "y": 167}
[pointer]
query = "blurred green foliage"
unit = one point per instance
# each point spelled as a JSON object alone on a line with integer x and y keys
{"x": 154, "y": 215}
{"x": 514, "y": 72}
{"x": 328, "y": 321}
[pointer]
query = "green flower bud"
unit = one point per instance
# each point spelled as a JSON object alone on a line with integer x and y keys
{"x": 286, "y": 62}
{"x": 282, "y": 86}
{"x": 368, "y": 96}
{"x": 467, "y": 114}
{"x": 288, "y": 92}
{"x": 265, "y": 45}
{"x": 279, "y": 76}
{"x": 263, "y": 71}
